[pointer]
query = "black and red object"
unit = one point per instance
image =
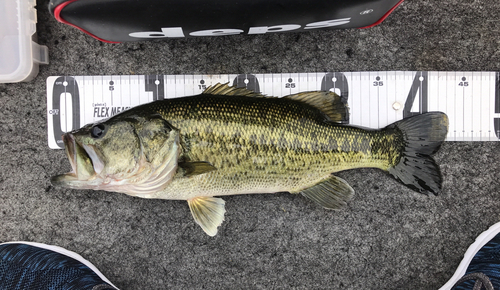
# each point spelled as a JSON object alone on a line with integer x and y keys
{"x": 132, "y": 20}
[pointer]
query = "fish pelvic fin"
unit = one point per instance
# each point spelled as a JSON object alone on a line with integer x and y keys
{"x": 422, "y": 135}
{"x": 331, "y": 193}
{"x": 331, "y": 104}
{"x": 208, "y": 212}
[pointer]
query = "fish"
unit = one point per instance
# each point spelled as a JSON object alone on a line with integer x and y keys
{"x": 228, "y": 141}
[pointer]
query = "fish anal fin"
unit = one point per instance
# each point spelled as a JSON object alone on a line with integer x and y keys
{"x": 329, "y": 103}
{"x": 208, "y": 212}
{"x": 226, "y": 90}
{"x": 196, "y": 167}
{"x": 331, "y": 193}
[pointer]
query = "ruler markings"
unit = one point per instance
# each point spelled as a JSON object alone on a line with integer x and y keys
{"x": 493, "y": 88}
{"x": 295, "y": 80}
{"x": 407, "y": 81}
{"x": 483, "y": 126}
{"x": 95, "y": 95}
{"x": 300, "y": 82}
{"x": 483, "y": 123}
{"x": 305, "y": 82}
{"x": 83, "y": 98}
{"x": 433, "y": 92}
{"x": 263, "y": 83}
{"x": 459, "y": 103}
{"x": 354, "y": 98}
{"x": 468, "y": 108}
{"x": 128, "y": 91}
{"x": 277, "y": 86}
{"x": 187, "y": 85}
{"x": 101, "y": 93}
{"x": 286, "y": 84}
{"x": 450, "y": 87}
{"x": 469, "y": 98}
{"x": 181, "y": 90}
{"x": 389, "y": 93}
{"x": 475, "y": 104}
{"x": 109, "y": 88}
{"x": 385, "y": 94}
{"x": 464, "y": 92}
{"x": 170, "y": 90}
{"x": 359, "y": 99}
{"x": 491, "y": 127}
{"x": 442, "y": 90}
{"x": 64, "y": 106}
{"x": 374, "y": 102}
{"x": 386, "y": 99}
{"x": 478, "y": 105}
{"x": 485, "y": 91}
{"x": 399, "y": 94}
{"x": 375, "y": 117}
{"x": 143, "y": 95}
{"x": 420, "y": 93}
{"x": 213, "y": 79}
{"x": 363, "y": 99}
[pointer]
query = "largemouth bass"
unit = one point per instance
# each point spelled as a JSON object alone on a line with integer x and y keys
{"x": 229, "y": 141}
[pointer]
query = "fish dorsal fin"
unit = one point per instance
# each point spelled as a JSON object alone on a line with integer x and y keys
{"x": 331, "y": 193}
{"x": 226, "y": 90}
{"x": 329, "y": 103}
{"x": 208, "y": 212}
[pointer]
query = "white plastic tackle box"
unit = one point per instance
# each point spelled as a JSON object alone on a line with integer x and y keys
{"x": 20, "y": 55}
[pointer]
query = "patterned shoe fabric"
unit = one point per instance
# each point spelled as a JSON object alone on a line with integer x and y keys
{"x": 33, "y": 266}
{"x": 480, "y": 268}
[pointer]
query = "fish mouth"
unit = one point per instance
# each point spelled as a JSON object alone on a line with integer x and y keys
{"x": 70, "y": 148}
{"x": 85, "y": 164}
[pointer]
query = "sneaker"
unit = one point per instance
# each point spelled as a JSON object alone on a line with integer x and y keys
{"x": 32, "y": 266}
{"x": 480, "y": 266}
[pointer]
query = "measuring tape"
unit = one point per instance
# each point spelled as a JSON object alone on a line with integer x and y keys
{"x": 470, "y": 99}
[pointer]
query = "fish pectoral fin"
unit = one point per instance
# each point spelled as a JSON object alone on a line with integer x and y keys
{"x": 329, "y": 103}
{"x": 331, "y": 193}
{"x": 208, "y": 212}
{"x": 195, "y": 168}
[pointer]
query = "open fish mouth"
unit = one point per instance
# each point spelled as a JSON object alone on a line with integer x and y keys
{"x": 70, "y": 147}
{"x": 84, "y": 161}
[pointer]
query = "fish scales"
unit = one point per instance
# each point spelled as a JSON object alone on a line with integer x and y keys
{"x": 230, "y": 141}
{"x": 263, "y": 145}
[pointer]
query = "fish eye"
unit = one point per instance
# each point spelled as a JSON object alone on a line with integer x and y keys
{"x": 97, "y": 131}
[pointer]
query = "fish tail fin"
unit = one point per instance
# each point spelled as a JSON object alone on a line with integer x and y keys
{"x": 421, "y": 136}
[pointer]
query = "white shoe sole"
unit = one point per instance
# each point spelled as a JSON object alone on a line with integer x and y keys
{"x": 481, "y": 240}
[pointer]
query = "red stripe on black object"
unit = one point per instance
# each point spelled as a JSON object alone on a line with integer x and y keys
{"x": 57, "y": 15}
{"x": 383, "y": 17}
